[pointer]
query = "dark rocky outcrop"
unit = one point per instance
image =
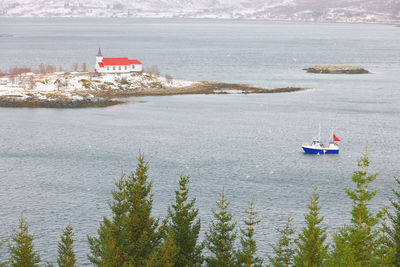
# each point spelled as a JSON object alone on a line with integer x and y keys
{"x": 328, "y": 69}
{"x": 33, "y": 102}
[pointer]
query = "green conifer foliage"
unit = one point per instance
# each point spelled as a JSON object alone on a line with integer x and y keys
{"x": 22, "y": 252}
{"x": 221, "y": 237}
{"x": 246, "y": 256}
{"x": 311, "y": 250}
{"x": 107, "y": 249}
{"x": 130, "y": 237}
{"x": 142, "y": 232}
{"x": 359, "y": 241}
{"x": 184, "y": 226}
{"x": 283, "y": 250}
{"x": 394, "y": 217}
{"x": 166, "y": 254}
{"x": 66, "y": 255}
{"x": 343, "y": 254}
{"x": 385, "y": 251}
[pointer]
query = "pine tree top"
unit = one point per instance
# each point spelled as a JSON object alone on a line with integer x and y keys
{"x": 247, "y": 255}
{"x": 311, "y": 250}
{"x": 22, "y": 252}
{"x": 221, "y": 236}
{"x": 283, "y": 250}
{"x": 361, "y": 215}
{"x": 66, "y": 255}
{"x": 358, "y": 243}
{"x": 184, "y": 225}
{"x": 131, "y": 235}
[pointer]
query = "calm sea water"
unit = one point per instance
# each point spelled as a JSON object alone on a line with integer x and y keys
{"x": 58, "y": 166}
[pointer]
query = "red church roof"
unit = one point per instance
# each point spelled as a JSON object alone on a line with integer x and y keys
{"x": 118, "y": 61}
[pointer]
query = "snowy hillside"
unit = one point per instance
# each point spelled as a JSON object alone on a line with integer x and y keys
{"x": 374, "y": 11}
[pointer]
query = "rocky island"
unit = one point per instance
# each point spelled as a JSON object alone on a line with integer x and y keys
{"x": 91, "y": 89}
{"x": 329, "y": 69}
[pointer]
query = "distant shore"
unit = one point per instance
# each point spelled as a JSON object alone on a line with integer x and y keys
{"x": 78, "y": 90}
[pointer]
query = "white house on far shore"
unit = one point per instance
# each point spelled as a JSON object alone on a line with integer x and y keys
{"x": 116, "y": 64}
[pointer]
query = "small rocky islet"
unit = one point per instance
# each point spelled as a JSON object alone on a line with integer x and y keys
{"x": 331, "y": 69}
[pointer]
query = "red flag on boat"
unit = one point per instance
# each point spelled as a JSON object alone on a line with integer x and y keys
{"x": 335, "y": 138}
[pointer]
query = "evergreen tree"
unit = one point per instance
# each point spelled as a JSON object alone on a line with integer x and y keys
{"x": 66, "y": 255}
{"x": 131, "y": 236}
{"x": 22, "y": 252}
{"x": 311, "y": 251}
{"x": 143, "y": 235}
{"x": 358, "y": 242}
{"x": 394, "y": 231}
{"x": 107, "y": 249}
{"x": 166, "y": 254}
{"x": 221, "y": 237}
{"x": 284, "y": 248}
{"x": 385, "y": 251}
{"x": 184, "y": 226}
{"x": 246, "y": 256}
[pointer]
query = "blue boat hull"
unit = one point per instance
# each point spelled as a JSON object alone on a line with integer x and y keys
{"x": 320, "y": 151}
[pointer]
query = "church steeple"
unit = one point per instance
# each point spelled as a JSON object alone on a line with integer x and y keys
{"x": 99, "y": 53}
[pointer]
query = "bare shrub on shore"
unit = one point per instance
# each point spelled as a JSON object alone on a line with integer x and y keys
{"x": 60, "y": 69}
{"x": 47, "y": 68}
{"x": 168, "y": 78}
{"x": 42, "y": 68}
{"x": 18, "y": 70}
{"x": 84, "y": 66}
{"x": 61, "y": 83}
{"x": 31, "y": 82}
{"x": 153, "y": 71}
{"x": 50, "y": 68}
{"x": 58, "y": 83}
{"x": 75, "y": 66}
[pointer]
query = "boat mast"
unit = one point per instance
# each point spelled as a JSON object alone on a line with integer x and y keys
{"x": 319, "y": 133}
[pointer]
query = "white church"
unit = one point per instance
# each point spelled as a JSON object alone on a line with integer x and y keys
{"x": 116, "y": 64}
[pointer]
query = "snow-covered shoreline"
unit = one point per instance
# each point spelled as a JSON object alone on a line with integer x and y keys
{"x": 67, "y": 82}
{"x": 72, "y": 89}
{"x": 89, "y": 89}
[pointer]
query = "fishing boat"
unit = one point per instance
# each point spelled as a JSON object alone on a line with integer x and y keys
{"x": 316, "y": 147}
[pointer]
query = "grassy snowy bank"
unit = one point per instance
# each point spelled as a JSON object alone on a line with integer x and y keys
{"x": 88, "y": 89}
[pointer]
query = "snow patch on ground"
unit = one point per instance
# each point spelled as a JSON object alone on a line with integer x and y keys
{"x": 72, "y": 85}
